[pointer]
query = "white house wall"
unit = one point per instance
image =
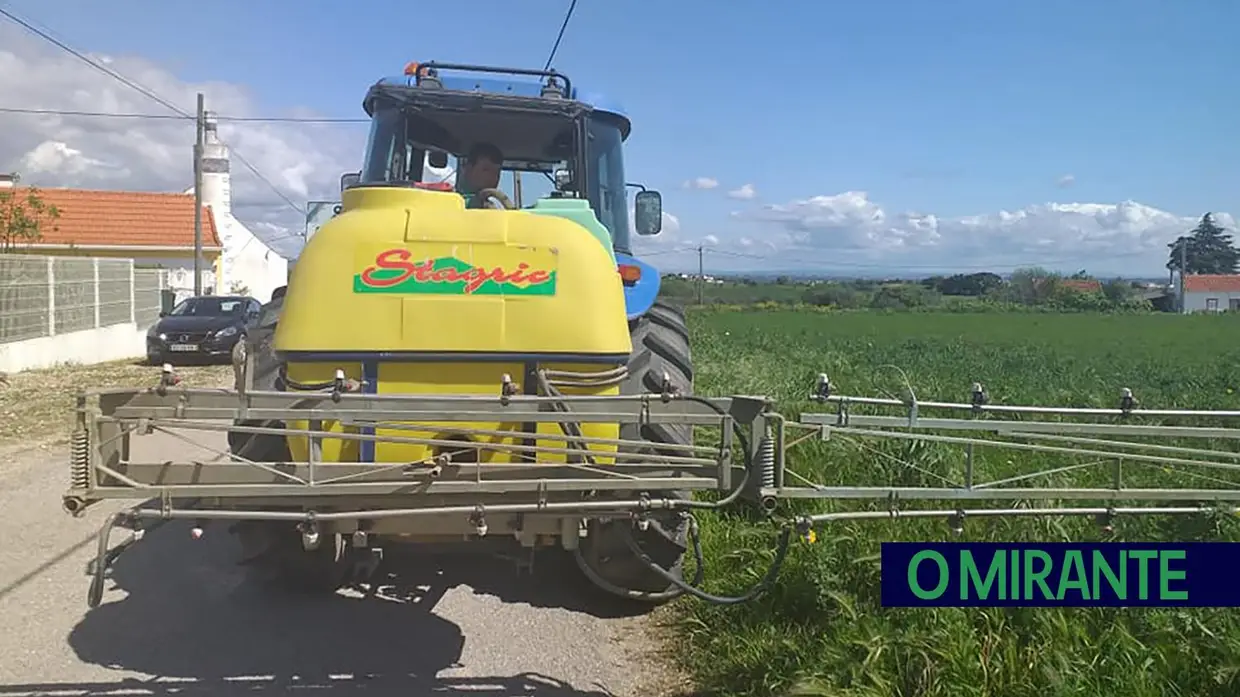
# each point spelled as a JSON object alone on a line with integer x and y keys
{"x": 181, "y": 274}
{"x": 1197, "y": 301}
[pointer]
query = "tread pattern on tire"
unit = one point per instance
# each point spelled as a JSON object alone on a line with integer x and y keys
{"x": 660, "y": 341}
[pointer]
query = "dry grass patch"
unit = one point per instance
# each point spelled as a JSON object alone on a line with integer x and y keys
{"x": 36, "y": 406}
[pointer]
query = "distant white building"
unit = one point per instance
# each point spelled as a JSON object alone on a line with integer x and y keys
{"x": 246, "y": 264}
{"x": 1211, "y": 292}
{"x": 707, "y": 278}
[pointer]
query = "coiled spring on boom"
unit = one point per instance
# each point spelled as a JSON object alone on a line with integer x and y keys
{"x": 79, "y": 460}
{"x": 766, "y": 458}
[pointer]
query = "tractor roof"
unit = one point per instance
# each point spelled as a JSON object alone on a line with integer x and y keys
{"x": 527, "y": 89}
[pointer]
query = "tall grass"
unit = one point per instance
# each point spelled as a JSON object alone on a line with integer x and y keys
{"x": 821, "y": 629}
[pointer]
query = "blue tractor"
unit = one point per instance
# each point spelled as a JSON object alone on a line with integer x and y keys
{"x": 544, "y": 133}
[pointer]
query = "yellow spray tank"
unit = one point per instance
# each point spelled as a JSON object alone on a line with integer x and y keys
{"x": 408, "y": 292}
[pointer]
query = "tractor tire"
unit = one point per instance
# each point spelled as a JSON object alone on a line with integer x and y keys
{"x": 273, "y": 549}
{"x": 286, "y": 565}
{"x": 660, "y": 341}
{"x": 258, "y": 343}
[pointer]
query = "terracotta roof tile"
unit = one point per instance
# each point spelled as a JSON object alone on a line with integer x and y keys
{"x": 1212, "y": 283}
{"x": 138, "y": 218}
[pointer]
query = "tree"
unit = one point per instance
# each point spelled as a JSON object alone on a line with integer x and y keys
{"x": 1032, "y": 286}
{"x": 1207, "y": 249}
{"x": 973, "y": 284}
{"x": 22, "y": 217}
{"x": 1118, "y": 292}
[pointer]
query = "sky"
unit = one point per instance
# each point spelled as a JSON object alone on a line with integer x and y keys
{"x": 888, "y": 137}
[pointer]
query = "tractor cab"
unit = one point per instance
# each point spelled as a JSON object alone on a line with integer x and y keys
{"x": 554, "y": 145}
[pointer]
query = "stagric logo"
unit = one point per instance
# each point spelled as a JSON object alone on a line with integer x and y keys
{"x": 395, "y": 271}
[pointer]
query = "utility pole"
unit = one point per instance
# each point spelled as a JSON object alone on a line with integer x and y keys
{"x": 701, "y": 274}
{"x": 1183, "y": 268}
{"x": 198, "y": 147}
{"x": 516, "y": 187}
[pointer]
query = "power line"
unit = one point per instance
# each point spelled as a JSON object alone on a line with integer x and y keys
{"x": 567, "y": 16}
{"x": 177, "y": 117}
{"x": 141, "y": 90}
{"x": 97, "y": 66}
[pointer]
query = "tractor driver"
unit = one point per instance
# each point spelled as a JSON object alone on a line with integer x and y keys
{"x": 481, "y": 171}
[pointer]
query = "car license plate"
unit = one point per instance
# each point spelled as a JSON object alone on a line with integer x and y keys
{"x": 183, "y": 347}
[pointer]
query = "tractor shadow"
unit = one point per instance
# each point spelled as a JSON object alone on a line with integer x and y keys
{"x": 206, "y": 626}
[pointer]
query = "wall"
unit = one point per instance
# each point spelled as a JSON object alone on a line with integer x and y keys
{"x": 180, "y": 273}
{"x": 74, "y": 310}
{"x": 179, "y": 265}
{"x": 1196, "y": 301}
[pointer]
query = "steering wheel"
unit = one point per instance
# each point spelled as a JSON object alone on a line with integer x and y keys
{"x": 495, "y": 195}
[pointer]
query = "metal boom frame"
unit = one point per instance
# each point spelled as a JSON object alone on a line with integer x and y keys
{"x": 315, "y": 492}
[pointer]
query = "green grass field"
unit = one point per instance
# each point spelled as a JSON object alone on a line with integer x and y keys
{"x": 822, "y": 631}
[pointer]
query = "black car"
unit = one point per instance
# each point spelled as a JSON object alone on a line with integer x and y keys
{"x": 205, "y": 326}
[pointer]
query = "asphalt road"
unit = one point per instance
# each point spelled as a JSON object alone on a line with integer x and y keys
{"x": 179, "y": 617}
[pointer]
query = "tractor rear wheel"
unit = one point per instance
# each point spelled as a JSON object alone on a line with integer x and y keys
{"x": 660, "y": 341}
{"x": 273, "y": 548}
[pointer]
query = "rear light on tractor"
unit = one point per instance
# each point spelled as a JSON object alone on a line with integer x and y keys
{"x": 629, "y": 274}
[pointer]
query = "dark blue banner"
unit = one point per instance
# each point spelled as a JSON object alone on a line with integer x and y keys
{"x": 1060, "y": 574}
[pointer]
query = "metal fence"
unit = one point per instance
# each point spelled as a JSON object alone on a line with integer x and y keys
{"x": 45, "y": 296}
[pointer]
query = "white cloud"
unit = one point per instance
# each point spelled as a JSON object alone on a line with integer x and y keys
{"x": 703, "y": 183}
{"x": 746, "y": 192}
{"x": 672, "y": 239}
{"x": 1126, "y": 237}
{"x": 55, "y": 157}
{"x": 1065, "y": 181}
{"x": 669, "y": 234}
{"x": 671, "y": 224}
{"x": 304, "y": 161}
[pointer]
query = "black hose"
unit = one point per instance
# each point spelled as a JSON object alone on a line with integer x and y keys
{"x": 699, "y": 572}
{"x": 681, "y": 587}
{"x": 282, "y": 377}
{"x": 781, "y": 550}
{"x": 781, "y": 553}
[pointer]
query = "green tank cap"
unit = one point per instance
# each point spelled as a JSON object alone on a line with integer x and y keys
{"x": 578, "y": 211}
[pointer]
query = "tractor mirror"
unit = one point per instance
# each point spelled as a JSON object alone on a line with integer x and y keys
{"x": 437, "y": 159}
{"x": 349, "y": 179}
{"x": 648, "y": 212}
